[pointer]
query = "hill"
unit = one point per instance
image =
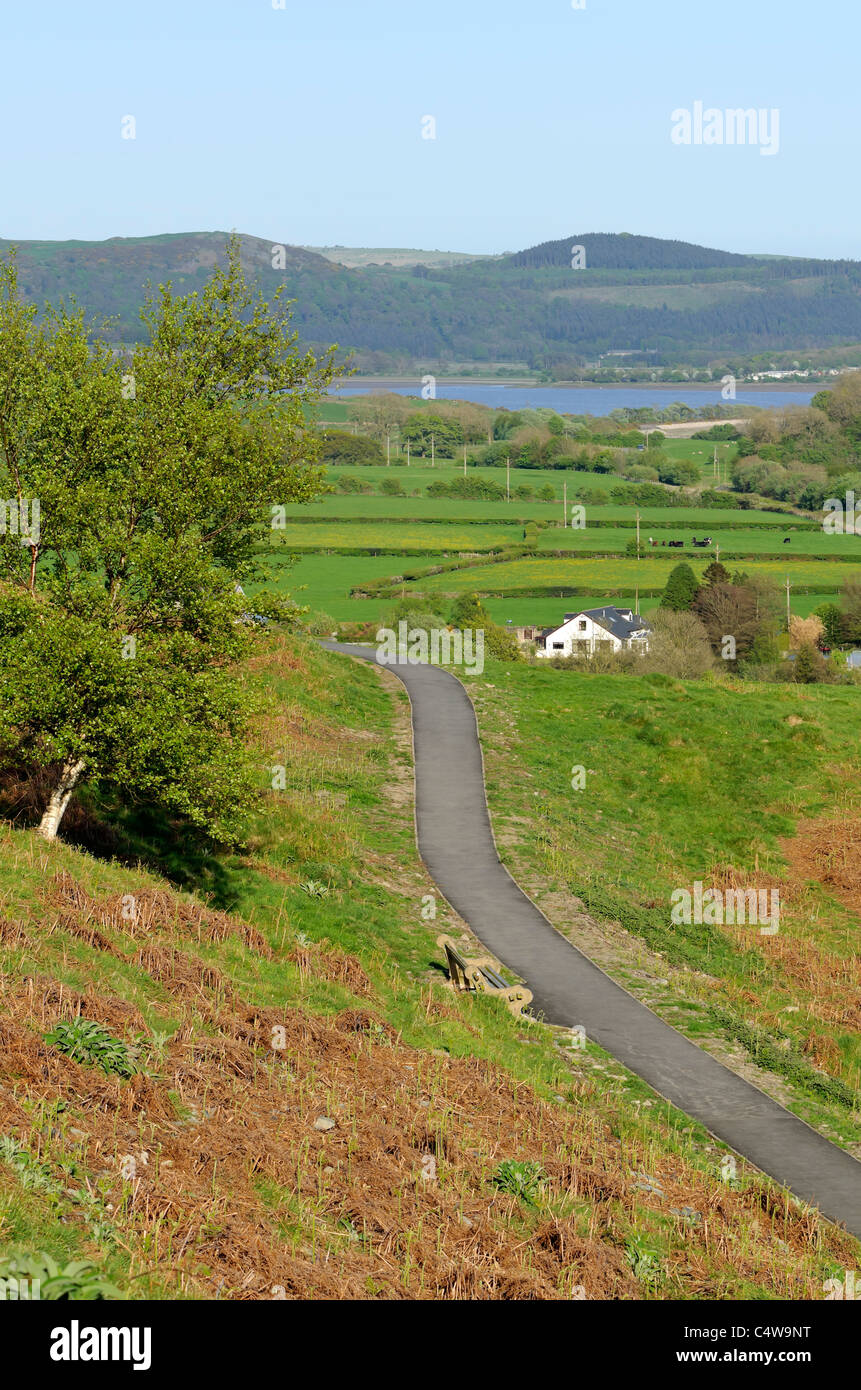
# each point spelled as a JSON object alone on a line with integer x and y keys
{"x": 667, "y": 299}
{"x": 291, "y": 1102}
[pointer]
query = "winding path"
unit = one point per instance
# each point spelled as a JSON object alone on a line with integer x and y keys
{"x": 456, "y": 842}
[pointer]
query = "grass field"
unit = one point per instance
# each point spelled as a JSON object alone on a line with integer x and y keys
{"x": 764, "y": 540}
{"x": 382, "y": 535}
{"x": 718, "y": 782}
{"x": 417, "y": 531}
{"x": 610, "y": 574}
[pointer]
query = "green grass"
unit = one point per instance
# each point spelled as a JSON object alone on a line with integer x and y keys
{"x": 333, "y": 723}
{"x": 387, "y": 536}
{"x": 685, "y": 779}
{"x": 612, "y": 575}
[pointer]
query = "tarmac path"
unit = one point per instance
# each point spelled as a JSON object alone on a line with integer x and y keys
{"x": 456, "y": 842}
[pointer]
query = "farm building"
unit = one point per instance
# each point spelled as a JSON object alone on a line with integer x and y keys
{"x": 582, "y": 634}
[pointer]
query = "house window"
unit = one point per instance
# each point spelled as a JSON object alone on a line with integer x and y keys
{"x": 558, "y": 646}
{"x": 582, "y": 625}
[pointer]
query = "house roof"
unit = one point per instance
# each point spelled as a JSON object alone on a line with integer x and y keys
{"x": 612, "y": 620}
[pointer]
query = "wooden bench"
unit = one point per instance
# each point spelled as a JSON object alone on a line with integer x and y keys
{"x": 480, "y": 973}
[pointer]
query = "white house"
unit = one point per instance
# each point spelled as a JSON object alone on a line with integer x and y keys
{"x": 593, "y": 629}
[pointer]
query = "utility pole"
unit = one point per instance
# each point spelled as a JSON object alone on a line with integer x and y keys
{"x": 408, "y": 453}
{"x": 508, "y": 478}
{"x": 788, "y": 614}
{"x": 564, "y": 503}
{"x": 638, "y": 534}
{"x": 464, "y": 460}
{"x": 715, "y": 467}
{"x": 388, "y": 449}
{"x": 433, "y": 451}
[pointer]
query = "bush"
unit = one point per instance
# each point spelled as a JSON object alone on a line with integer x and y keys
{"x": 338, "y": 446}
{"x": 90, "y": 1043}
{"x": 392, "y": 487}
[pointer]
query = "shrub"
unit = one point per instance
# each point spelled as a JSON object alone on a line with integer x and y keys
{"x": 90, "y": 1043}
{"x": 522, "y": 1179}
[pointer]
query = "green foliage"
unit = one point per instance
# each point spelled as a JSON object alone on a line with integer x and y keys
{"x": 124, "y": 612}
{"x": 465, "y": 487}
{"x": 77, "y": 1281}
{"x": 343, "y": 447}
{"x": 391, "y": 487}
{"x": 468, "y": 612}
{"x": 681, "y": 589}
{"x": 832, "y": 622}
{"x": 715, "y": 573}
{"x": 432, "y": 435}
{"x": 520, "y": 1179}
{"x": 90, "y": 1043}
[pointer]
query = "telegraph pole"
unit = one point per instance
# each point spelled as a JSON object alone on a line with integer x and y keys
{"x": 508, "y": 478}
{"x": 433, "y": 452}
{"x": 638, "y": 534}
{"x": 564, "y": 503}
{"x": 788, "y": 615}
{"x": 464, "y": 460}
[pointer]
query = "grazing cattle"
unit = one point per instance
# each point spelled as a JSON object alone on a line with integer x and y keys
{"x": 707, "y": 541}
{"x": 677, "y": 545}
{"x": 786, "y": 540}
{"x": 652, "y": 541}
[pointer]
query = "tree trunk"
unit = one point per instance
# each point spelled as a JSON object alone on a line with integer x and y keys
{"x": 60, "y": 797}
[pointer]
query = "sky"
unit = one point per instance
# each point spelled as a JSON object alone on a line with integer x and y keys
{"x": 308, "y": 123}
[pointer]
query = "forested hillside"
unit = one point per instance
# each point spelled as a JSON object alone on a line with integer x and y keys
{"x": 668, "y": 299}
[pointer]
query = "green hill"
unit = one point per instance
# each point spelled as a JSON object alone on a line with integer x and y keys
{"x": 245, "y": 1076}
{"x": 668, "y": 299}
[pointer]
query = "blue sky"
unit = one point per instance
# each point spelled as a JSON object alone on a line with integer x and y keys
{"x": 303, "y": 124}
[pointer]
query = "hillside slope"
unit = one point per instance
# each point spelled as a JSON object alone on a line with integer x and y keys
{"x": 666, "y": 298}
{"x": 310, "y": 1110}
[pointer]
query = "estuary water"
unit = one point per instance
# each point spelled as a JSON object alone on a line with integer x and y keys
{"x": 588, "y": 400}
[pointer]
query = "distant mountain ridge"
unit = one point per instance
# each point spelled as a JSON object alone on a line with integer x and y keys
{"x": 672, "y": 299}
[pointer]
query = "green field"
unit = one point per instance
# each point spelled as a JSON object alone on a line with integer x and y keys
{"x": 765, "y": 540}
{"x": 390, "y": 534}
{"x": 382, "y": 535}
{"x": 695, "y": 780}
{"x": 611, "y": 574}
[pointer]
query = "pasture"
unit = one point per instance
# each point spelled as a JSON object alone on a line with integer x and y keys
{"x": 345, "y": 541}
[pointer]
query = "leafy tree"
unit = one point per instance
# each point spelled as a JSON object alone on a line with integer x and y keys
{"x": 546, "y": 493}
{"x": 340, "y": 447}
{"x": 468, "y": 611}
{"x": 832, "y": 623}
{"x": 122, "y": 614}
{"x": 809, "y": 665}
{"x": 681, "y": 589}
{"x": 679, "y": 472}
{"x": 429, "y": 433}
{"x": 715, "y": 573}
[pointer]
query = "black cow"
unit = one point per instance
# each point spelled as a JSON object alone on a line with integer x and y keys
{"x": 786, "y": 540}
{"x": 677, "y": 545}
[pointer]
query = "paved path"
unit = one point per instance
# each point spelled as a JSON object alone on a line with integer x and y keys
{"x": 456, "y": 843}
